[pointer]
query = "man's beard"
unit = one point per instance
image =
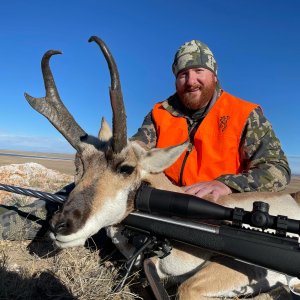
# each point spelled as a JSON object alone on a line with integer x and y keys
{"x": 195, "y": 102}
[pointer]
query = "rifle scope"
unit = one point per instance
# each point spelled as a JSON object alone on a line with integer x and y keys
{"x": 182, "y": 205}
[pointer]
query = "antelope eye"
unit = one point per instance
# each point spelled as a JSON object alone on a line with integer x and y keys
{"x": 126, "y": 170}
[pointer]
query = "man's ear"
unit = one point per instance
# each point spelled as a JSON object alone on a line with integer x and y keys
{"x": 158, "y": 159}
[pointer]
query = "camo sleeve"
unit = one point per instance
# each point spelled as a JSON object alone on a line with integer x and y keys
{"x": 25, "y": 222}
{"x": 265, "y": 164}
{"x": 146, "y": 134}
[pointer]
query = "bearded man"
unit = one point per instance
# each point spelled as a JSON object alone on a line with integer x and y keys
{"x": 233, "y": 147}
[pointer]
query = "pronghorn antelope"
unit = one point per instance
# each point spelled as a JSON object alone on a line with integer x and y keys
{"x": 109, "y": 171}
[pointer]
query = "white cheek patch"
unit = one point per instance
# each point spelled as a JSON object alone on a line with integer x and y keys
{"x": 112, "y": 212}
{"x": 74, "y": 243}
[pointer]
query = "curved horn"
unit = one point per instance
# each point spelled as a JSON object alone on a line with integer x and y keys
{"x": 116, "y": 99}
{"x": 54, "y": 110}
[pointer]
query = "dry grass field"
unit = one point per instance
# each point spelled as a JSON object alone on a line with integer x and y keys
{"x": 34, "y": 270}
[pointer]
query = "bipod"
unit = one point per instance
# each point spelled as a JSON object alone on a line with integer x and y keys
{"x": 128, "y": 265}
{"x": 151, "y": 244}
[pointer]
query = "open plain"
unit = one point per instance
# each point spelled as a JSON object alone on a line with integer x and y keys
{"x": 64, "y": 163}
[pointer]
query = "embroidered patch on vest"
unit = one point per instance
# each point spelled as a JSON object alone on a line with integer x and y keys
{"x": 223, "y": 122}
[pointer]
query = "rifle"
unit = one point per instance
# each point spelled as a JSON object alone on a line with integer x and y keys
{"x": 160, "y": 214}
{"x": 164, "y": 215}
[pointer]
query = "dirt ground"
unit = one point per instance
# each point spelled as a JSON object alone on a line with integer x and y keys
{"x": 65, "y": 165}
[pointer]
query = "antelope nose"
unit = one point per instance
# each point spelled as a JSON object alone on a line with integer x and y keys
{"x": 57, "y": 227}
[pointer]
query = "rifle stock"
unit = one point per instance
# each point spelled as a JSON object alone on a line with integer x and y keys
{"x": 281, "y": 254}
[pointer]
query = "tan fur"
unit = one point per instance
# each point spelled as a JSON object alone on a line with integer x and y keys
{"x": 204, "y": 283}
{"x": 160, "y": 181}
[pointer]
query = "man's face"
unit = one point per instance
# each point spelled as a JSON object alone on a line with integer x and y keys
{"x": 195, "y": 87}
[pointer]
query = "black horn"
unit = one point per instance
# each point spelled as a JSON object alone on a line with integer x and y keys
{"x": 116, "y": 99}
{"x": 54, "y": 110}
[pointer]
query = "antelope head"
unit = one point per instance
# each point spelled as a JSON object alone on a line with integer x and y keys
{"x": 109, "y": 169}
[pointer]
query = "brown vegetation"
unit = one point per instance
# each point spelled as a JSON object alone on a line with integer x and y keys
{"x": 69, "y": 274}
{"x": 33, "y": 269}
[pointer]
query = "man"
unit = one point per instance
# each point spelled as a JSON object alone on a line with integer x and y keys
{"x": 232, "y": 145}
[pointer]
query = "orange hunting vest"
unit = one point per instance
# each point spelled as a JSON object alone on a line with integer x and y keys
{"x": 216, "y": 141}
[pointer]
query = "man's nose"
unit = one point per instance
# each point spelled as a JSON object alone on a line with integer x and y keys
{"x": 191, "y": 78}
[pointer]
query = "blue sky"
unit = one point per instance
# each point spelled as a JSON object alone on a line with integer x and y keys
{"x": 256, "y": 44}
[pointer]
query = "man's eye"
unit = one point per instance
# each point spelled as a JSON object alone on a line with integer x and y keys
{"x": 181, "y": 75}
{"x": 126, "y": 170}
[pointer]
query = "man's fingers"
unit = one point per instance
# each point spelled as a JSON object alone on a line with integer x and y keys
{"x": 213, "y": 188}
{"x": 199, "y": 191}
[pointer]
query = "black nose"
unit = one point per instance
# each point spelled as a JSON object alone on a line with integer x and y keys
{"x": 57, "y": 227}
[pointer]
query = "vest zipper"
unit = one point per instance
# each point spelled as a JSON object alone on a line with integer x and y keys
{"x": 187, "y": 153}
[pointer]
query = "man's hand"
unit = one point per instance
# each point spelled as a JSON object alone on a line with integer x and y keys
{"x": 214, "y": 187}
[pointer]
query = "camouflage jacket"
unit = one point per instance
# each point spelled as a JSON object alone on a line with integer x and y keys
{"x": 266, "y": 166}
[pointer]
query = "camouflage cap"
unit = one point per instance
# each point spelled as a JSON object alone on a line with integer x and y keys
{"x": 194, "y": 54}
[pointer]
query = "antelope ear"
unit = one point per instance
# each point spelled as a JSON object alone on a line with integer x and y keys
{"x": 105, "y": 133}
{"x": 158, "y": 159}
